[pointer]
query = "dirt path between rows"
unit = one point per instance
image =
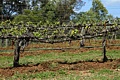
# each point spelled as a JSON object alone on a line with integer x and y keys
{"x": 46, "y": 66}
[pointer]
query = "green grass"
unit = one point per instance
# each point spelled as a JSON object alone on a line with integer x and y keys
{"x": 114, "y": 54}
{"x": 69, "y": 57}
{"x": 39, "y": 76}
{"x": 7, "y": 61}
{"x": 103, "y": 74}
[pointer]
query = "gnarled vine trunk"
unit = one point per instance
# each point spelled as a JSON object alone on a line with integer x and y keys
{"x": 104, "y": 46}
{"x": 20, "y": 44}
{"x": 17, "y": 53}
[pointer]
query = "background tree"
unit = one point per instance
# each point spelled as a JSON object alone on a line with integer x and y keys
{"x": 64, "y": 10}
{"x": 1, "y": 4}
{"x": 110, "y": 18}
{"x": 99, "y": 10}
{"x": 97, "y": 13}
{"x": 49, "y": 11}
{"x": 11, "y": 7}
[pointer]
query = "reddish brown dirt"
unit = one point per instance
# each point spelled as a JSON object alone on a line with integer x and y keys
{"x": 45, "y": 66}
{"x": 63, "y": 45}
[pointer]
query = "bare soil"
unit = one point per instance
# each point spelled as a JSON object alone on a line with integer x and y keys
{"x": 45, "y": 66}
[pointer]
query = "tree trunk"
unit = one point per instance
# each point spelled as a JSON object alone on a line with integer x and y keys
{"x": 104, "y": 47}
{"x": 17, "y": 54}
{"x": 1, "y": 6}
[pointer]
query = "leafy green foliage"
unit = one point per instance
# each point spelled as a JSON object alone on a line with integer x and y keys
{"x": 9, "y": 7}
{"x": 49, "y": 12}
{"x": 99, "y": 9}
{"x": 10, "y": 28}
{"x": 74, "y": 32}
{"x": 97, "y": 14}
{"x": 47, "y": 30}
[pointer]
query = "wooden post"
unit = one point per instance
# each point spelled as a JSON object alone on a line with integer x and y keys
{"x": 82, "y": 42}
{"x": 82, "y": 35}
{"x": 2, "y": 44}
{"x": 6, "y": 42}
{"x": 16, "y": 54}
